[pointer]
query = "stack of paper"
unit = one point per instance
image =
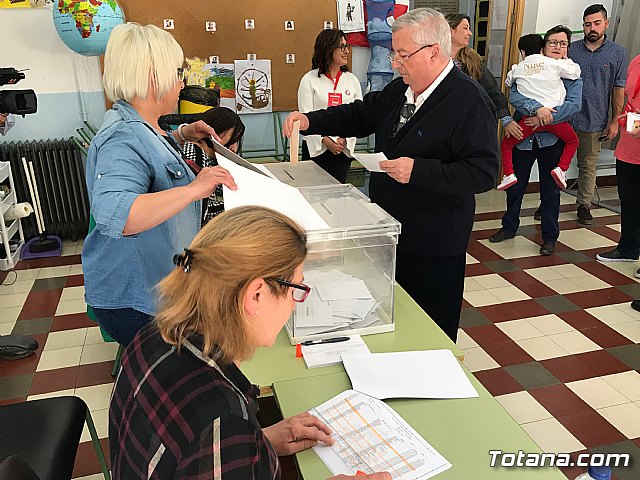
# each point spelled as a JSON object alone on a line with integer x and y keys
{"x": 337, "y": 301}
{"x": 324, "y": 354}
{"x": 421, "y": 374}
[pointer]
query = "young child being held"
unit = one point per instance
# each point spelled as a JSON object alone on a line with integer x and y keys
{"x": 540, "y": 78}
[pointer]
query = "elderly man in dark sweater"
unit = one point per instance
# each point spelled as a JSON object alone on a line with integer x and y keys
{"x": 437, "y": 127}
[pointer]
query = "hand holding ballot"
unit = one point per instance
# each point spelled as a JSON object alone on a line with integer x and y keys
{"x": 208, "y": 179}
{"x": 399, "y": 168}
{"x": 287, "y": 126}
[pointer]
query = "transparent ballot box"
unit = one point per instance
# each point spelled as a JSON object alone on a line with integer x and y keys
{"x": 350, "y": 267}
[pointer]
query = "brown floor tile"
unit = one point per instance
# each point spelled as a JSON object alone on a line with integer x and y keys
{"x": 537, "y": 290}
{"x": 606, "y": 232}
{"x": 508, "y": 353}
{"x": 559, "y": 400}
{"x": 536, "y": 262}
{"x": 598, "y": 298}
{"x": 606, "y": 274}
{"x": 498, "y": 313}
{"x": 528, "y": 308}
{"x": 580, "y": 319}
{"x": 75, "y": 281}
{"x": 602, "y": 363}
{"x": 53, "y": 380}
{"x": 482, "y": 253}
{"x": 94, "y": 374}
{"x": 86, "y": 459}
{"x": 519, "y": 278}
{"x": 476, "y": 269}
{"x": 568, "y": 368}
{"x": 487, "y": 334}
{"x": 69, "y": 322}
{"x": 11, "y": 401}
{"x": 49, "y": 262}
{"x": 25, "y": 365}
{"x": 498, "y": 381}
{"x": 591, "y": 429}
{"x": 40, "y": 304}
{"x": 497, "y": 215}
{"x": 606, "y": 337}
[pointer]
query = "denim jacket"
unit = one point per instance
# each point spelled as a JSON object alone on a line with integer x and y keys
{"x": 527, "y": 107}
{"x": 128, "y": 158}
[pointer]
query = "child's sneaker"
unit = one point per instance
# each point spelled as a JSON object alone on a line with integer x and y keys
{"x": 507, "y": 181}
{"x": 559, "y": 177}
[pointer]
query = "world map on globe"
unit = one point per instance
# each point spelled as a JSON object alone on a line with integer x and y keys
{"x": 85, "y": 26}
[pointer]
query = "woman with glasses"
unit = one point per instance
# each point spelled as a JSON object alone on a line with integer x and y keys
{"x": 181, "y": 406}
{"x": 145, "y": 200}
{"x": 200, "y": 155}
{"x": 468, "y": 60}
{"x": 328, "y": 84}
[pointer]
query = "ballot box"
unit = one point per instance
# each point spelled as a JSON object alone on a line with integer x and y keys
{"x": 350, "y": 267}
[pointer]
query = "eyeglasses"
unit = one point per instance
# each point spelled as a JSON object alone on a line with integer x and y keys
{"x": 344, "y": 47}
{"x": 555, "y": 43}
{"x": 406, "y": 112}
{"x": 392, "y": 55}
{"x": 181, "y": 75}
{"x": 300, "y": 290}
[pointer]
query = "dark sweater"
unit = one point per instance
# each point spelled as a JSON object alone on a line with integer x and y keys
{"x": 453, "y": 141}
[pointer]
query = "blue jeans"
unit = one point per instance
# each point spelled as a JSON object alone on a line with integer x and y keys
{"x": 122, "y": 324}
{"x": 523, "y": 160}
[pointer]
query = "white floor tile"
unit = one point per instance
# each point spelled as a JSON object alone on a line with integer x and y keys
{"x": 93, "y": 336}
{"x": 470, "y": 285}
{"x": 9, "y": 315}
{"x": 481, "y": 298}
{"x": 16, "y": 287}
{"x": 465, "y": 341}
{"x": 60, "y": 358}
{"x": 75, "y": 269}
{"x": 523, "y": 407}
{"x": 519, "y": 329}
{"x": 71, "y": 306}
{"x": 509, "y": 294}
{"x": 101, "y": 422}
{"x": 66, "y": 339}
{"x": 625, "y": 418}
{"x": 542, "y": 348}
{"x": 471, "y": 260}
{"x": 627, "y": 383}
{"x": 552, "y": 436}
{"x": 28, "y": 274}
{"x": 72, "y": 293}
{"x": 597, "y": 393}
{"x": 13, "y": 300}
{"x": 631, "y": 330}
{"x": 100, "y": 352}
{"x": 476, "y": 359}
{"x": 574, "y": 342}
{"x": 58, "y": 393}
{"x": 492, "y": 280}
{"x": 544, "y": 274}
{"x": 611, "y": 315}
{"x": 51, "y": 272}
{"x": 96, "y": 397}
{"x": 6, "y": 328}
{"x": 550, "y": 324}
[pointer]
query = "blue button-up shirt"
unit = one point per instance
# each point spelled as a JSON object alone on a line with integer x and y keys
{"x": 128, "y": 158}
{"x": 527, "y": 107}
{"x": 602, "y": 70}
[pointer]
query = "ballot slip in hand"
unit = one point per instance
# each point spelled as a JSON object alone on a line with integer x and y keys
{"x": 294, "y": 143}
{"x": 370, "y": 161}
{"x": 234, "y": 157}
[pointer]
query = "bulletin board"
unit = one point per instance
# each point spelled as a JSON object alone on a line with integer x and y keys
{"x": 231, "y": 41}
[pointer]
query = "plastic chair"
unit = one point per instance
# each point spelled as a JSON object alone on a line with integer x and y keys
{"x": 46, "y": 433}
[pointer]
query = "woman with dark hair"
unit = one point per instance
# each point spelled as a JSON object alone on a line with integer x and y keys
{"x": 328, "y": 84}
{"x": 200, "y": 155}
{"x": 542, "y": 147}
{"x": 468, "y": 60}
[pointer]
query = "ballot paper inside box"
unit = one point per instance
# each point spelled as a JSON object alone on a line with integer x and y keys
{"x": 350, "y": 267}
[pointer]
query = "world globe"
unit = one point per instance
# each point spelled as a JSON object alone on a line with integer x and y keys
{"x": 85, "y": 26}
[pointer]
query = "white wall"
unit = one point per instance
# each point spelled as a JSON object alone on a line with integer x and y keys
{"x": 68, "y": 85}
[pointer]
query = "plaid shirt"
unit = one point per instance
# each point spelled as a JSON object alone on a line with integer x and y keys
{"x": 214, "y": 204}
{"x": 182, "y": 416}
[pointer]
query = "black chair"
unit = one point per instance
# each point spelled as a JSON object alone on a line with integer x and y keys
{"x": 46, "y": 434}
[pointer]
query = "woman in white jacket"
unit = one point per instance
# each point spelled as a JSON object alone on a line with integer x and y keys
{"x": 328, "y": 84}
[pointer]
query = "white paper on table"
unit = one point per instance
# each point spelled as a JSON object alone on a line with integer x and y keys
{"x": 371, "y": 437}
{"x": 370, "y": 161}
{"x": 420, "y": 374}
{"x": 325, "y": 354}
{"x": 258, "y": 189}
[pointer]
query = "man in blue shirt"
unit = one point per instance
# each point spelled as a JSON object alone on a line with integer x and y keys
{"x": 604, "y": 72}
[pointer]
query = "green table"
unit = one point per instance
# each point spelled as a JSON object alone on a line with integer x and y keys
{"x": 462, "y": 430}
{"x": 414, "y": 330}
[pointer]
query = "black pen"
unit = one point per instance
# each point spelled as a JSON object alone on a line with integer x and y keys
{"x": 326, "y": 340}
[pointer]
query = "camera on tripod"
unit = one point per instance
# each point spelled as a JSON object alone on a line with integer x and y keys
{"x": 19, "y": 102}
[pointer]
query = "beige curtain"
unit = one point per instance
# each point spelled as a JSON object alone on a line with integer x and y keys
{"x": 628, "y": 34}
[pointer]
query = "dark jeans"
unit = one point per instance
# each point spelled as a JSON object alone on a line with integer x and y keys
{"x": 122, "y": 324}
{"x": 436, "y": 284}
{"x": 336, "y": 165}
{"x": 628, "y": 175}
{"x": 523, "y": 161}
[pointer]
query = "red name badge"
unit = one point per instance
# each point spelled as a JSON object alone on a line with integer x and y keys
{"x": 334, "y": 99}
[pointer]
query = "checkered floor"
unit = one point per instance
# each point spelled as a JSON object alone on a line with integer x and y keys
{"x": 552, "y": 338}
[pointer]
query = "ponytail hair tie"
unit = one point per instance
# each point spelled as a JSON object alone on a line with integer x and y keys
{"x": 183, "y": 260}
